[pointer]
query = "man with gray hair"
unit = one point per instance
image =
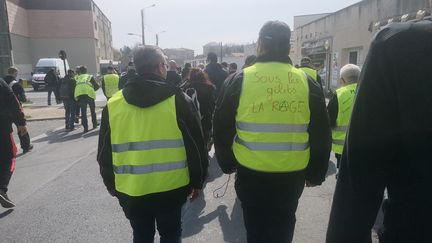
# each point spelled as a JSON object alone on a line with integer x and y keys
{"x": 151, "y": 149}
{"x": 341, "y": 105}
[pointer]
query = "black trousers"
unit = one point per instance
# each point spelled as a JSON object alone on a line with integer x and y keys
{"x": 50, "y": 91}
{"x": 168, "y": 225}
{"x": 270, "y": 224}
{"x": 24, "y": 141}
{"x": 7, "y": 160}
{"x": 338, "y": 160}
{"x": 83, "y": 102}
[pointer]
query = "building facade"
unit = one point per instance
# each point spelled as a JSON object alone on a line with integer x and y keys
{"x": 41, "y": 28}
{"x": 179, "y": 54}
{"x": 343, "y": 37}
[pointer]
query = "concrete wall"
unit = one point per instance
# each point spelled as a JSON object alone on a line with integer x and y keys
{"x": 80, "y": 51}
{"x": 21, "y": 53}
{"x": 348, "y": 29}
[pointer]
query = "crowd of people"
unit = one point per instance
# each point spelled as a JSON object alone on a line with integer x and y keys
{"x": 270, "y": 124}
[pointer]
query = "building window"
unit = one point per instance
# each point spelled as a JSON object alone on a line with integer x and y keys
{"x": 353, "y": 57}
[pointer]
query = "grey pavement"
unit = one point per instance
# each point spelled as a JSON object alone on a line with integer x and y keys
{"x": 61, "y": 198}
{"x": 40, "y": 97}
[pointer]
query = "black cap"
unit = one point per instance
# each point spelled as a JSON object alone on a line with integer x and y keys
{"x": 276, "y": 31}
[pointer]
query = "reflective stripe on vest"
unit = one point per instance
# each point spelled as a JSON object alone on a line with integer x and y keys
{"x": 272, "y": 119}
{"x": 84, "y": 86}
{"x": 147, "y": 169}
{"x": 147, "y": 147}
{"x": 346, "y": 97}
{"x": 111, "y": 84}
{"x": 311, "y": 72}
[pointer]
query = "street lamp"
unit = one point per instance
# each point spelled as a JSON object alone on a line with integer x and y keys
{"x": 142, "y": 22}
{"x": 157, "y": 37}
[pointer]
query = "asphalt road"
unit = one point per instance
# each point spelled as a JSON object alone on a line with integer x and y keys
{"x": 61, "y": 198}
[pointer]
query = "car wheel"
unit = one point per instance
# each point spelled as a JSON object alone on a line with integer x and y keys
{"x": 35, "y": 87}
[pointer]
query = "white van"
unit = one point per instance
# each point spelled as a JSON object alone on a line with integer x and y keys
{"x": 43, "y": 66}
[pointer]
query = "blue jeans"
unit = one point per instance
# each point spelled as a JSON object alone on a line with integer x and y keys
{"x": 168, "y": 225}
{"x": 69, "y": 106}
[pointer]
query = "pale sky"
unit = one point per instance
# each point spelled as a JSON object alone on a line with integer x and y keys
{"x": 194, "y": 23}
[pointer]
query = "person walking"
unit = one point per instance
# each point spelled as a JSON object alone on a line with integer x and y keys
{"x": 85, "y": 95}
{"x": 307, "y": 67}
{"x": 19, "y": 93}
{"x": 205, "y": 92}
{"x": 131, "y": 74}
{"x": 340, "y": 107}
{"x": 214, "y": 70}
{"x": 388, "y": 143}
{"x": 110, "y": 83}
{"x": 10, "y": 112}
{"x": 67, "y": 93}
{"x": 151, "y": 150}
{"x": 173, "y": 77}
{"x": 271, "y": 127}
{"x": 51, "y": 81}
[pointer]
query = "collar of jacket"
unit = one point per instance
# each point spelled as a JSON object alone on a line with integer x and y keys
{"x": 267, "y": 58}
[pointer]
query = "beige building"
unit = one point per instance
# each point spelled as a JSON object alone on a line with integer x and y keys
{"x": 41, "y": 28}
{"x": 333, "y": 40}
{"x": 179, "y": 54}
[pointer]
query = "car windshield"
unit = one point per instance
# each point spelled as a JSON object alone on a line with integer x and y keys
{"x": 42, "y": 70}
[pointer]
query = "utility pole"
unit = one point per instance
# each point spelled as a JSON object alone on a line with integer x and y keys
{"x": 142, "y": 27}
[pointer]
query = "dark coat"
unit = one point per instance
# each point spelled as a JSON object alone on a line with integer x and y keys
{"x": 17, "y": 89}
{"x": 10, "y": 109}
{"x": 260, "y": 187}
{"x": 144, "y": 92}
{"x": 389, "y": 142}
{"x": 173, "y": 78}
{"x": 67, "y": 87}
{"x": 206, "y": 98}
{"x": 216, "y": 75}
{"x": 51, "y": 79}
{"x": 131, "y": 74}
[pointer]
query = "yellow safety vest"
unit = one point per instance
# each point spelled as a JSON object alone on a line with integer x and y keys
{"x": 345, "y": 96}
{"x": 147, "y": 147}
{"x": 111, "y": 84}
{"x": 84, "y": 86}
{"x": 273, "y": 118}
{"x": 311, "y": 72}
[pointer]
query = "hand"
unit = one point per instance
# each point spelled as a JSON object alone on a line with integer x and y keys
{"x": 22, "y": 130}
{"x": 194, "y": 194}
{"x": 309, "y": 184}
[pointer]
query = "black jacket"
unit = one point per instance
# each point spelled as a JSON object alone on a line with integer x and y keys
{"x": 333, "y": 110}
{"x": 216, "y": 75}
{"x": 206, "y": 98}
{"x": 389, "y": 141}
{"x": 51, "y": 79}
{"x": 67, "y": 87}
{"x": 225, "y": 131}
{"x": 131, "y": 74}
{"x": 17, "y": 89}
{"x": 10, "y": 109}
{"x": 173, "y": 78}
{"x": 143, "y": 92}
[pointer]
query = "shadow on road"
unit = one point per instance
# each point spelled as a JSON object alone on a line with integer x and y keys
{"x": 331, "y": 169}
{"x": 6, "y": 213}
{"x": 232, "y": 227}
{"x": 193, "y": 218}
{"x": 214, "y": 171}
{"x": 63, "y": 135}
